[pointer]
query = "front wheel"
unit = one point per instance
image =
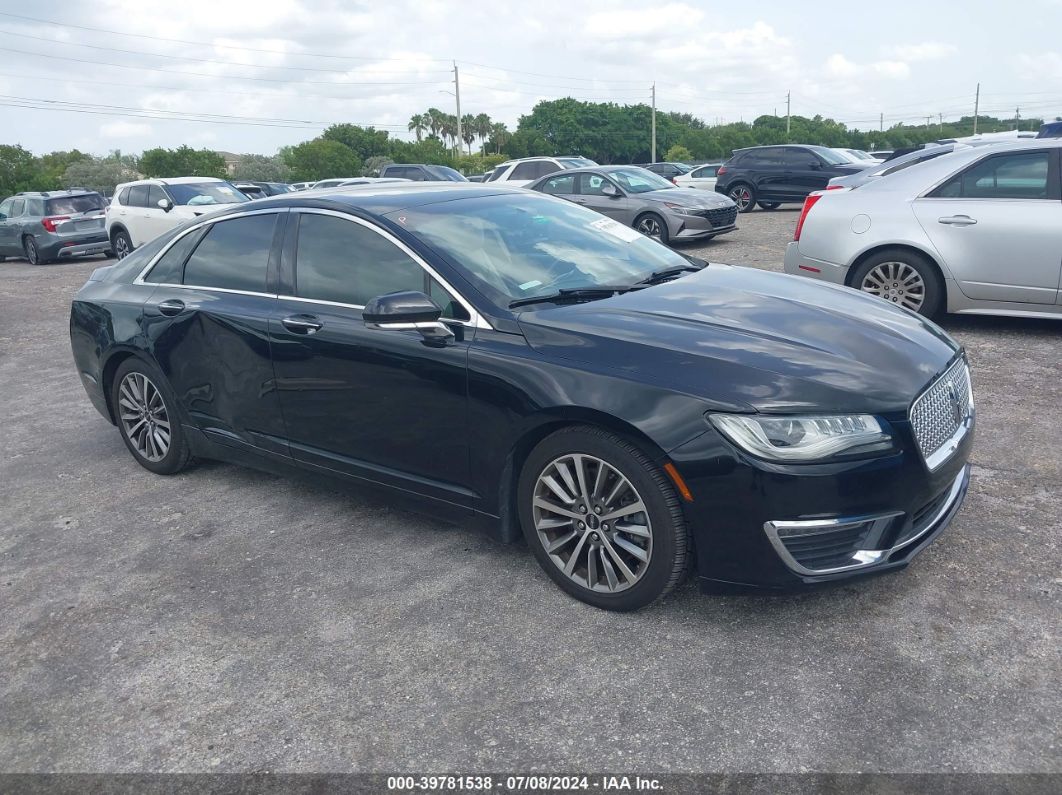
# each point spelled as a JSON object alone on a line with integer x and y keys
{"x": 904, "y": 278}
{"x": 121, "y": 244}
{"x": 602, "y": 519}
{"x": 652, "y": 225}
{"x": 145, "y": 409}
{"x": 744, "y": 196}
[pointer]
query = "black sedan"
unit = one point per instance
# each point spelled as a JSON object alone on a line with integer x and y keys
{"x": 506, "y": 358}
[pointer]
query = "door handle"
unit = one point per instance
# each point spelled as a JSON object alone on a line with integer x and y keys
{"x": 302, "y": 324}
{"x": 171, "y": 307}
{"x": 957, "y": 220}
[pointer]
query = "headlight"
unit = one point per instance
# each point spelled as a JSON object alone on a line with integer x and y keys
{"x": 801, "y": 438}
{"x": 680, "y": 210}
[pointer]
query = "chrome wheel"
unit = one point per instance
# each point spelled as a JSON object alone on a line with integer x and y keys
{"x": 897, "y": 282}
{"x": 144, "y": 417}
{"x": 742, "y": 197}
{"x": 122, "y": 247}
{"x": 592, "y": 523}
{"x": 650, "y": 227}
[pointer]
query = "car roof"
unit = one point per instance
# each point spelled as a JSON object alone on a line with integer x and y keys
{"x": 380, "y": 198}
{"x": 55, "y": 194}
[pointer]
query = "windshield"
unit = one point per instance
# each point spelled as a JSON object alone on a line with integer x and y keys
{"x": 520, "y": 246}
{"x": 575, "y": 162}
{"x": 830, "y": 156}
{"x": 447, "y": 174}
{"x": 71, "y": 205}
{"x": 639, "y": 180}
{"x": 198, "y": 193}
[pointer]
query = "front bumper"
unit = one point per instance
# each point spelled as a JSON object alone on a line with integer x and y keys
{"x": 797, "y": 264}
{"x": 764, "y": 525}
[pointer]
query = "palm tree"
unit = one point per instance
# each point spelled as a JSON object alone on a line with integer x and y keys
{"x": 448, "y": 128}
{"x": 500, "y": 133}
{"x": 418, "y": 123}
{"x": 482, "y": 125}
{"x": 435, "y": 117}
{"x": 468, "y": 130}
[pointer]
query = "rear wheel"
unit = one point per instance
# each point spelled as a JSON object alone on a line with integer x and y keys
{"x": 33, "y": 254}
{"x": 121, "y": 244}
{"x": 744, "y": 196}
{"x": 904, "y": 278}
{"x": 145, "y": 409}
{"x": 602, "y": 519}
{"x": 652, "y": 225}
{"x": 769, "y": 205}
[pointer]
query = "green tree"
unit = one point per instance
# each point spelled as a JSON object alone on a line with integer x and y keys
{"x": 374, "y": 164}
{"x": 18, "y": 170}
{"x": 362, "y": 141}
{"x": 262, "y": 168}
{"x": 52, "y": 167}
{"x": 418, "y": 125}
{"x": 182, "y": 162}
{"x": 101, "y": 173}
{"x": 468, "y": 130}
{"x": 678, "y": 154}
{"x": 322, "y": 159}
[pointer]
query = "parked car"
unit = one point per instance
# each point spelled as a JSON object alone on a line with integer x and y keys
{"x": 526, "y": 170}
{"x": 55, "y": 225}
{"x": 371, "y": 181}
{"x": 141, "y": 211}
{"x": 422, "y": 172}
{"x": 330, "y": 183}
{"x": 503, "y": 358}
{"x": 772, "y": 175}
{"x": 975, "y": 231}
{"x": 644, "y": 201}
{"x": 301, "y": 185}
{"x": 1051, "y": 129}
{"x": 857, "y": 156}
{"x": 480, "y": 177}
{"x": 254, "y": 189}
{"x": 881, "y": 154}
{"x": 669, "y": 171}
{"x": 703, "y": 177}
{"x": 883, "y": 169}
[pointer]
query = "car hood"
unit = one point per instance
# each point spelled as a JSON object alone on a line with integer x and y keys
{"x": 687, "y": 197}
{"x": 744, "y": 339}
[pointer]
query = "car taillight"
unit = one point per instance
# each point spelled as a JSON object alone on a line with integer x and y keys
{"x": 809, "y": 202}
{"x": 50, "y": 222}
{"x": 721, "y": 171}
{"x": 673, "y": 181}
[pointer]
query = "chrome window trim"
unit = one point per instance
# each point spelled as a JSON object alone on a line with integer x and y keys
{"x": 199, "y": 225}
{"x": 476, "y": 320}
{"x": 870, "y": 557}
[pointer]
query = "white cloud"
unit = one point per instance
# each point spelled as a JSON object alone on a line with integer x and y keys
{"x": 124, "y": 129}
{"x": 924, "y": 51}
{"x": 838, "y": 65}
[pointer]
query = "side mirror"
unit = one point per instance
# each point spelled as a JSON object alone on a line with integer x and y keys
{"x": 165, "y": 204}
{"x": 409, "y": 309}
{"x": 610, "y": 190}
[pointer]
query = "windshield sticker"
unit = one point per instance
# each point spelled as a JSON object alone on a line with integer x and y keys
{"x": 617, "y": 230}
{"x": 528, "y": 285}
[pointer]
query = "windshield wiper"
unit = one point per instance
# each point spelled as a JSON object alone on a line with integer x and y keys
{"x": 576, "y": 294}
{"x": 667, "y": 273}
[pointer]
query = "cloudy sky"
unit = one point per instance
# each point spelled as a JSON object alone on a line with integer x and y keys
{"x": 251, "y": 75}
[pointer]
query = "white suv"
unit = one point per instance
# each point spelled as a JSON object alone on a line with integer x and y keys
{"x": 141, "y": 211}
{"x": 527, "y": 169}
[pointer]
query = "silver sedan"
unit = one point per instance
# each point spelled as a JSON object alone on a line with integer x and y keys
{"x": 645, "y": 201}
{"x": 974, "y": 231}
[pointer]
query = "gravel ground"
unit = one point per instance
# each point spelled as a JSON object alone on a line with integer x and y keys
{"x": 226, "y": 620}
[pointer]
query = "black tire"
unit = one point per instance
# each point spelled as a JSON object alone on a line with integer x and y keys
{"x": 178, "y": 455}
{"x": 769, "y": 205}
{"x": 933, "y": 285}
{"x": 33, "y": 254}
{"x": 743, "y": 195}
{"x": 669, "y": 551}
{"x": 655, "y": 222}
{"x": 121, "y": 243}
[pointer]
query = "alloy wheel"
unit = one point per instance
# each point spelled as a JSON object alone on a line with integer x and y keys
{"x": 144, "y": 417}
{"x": 742, "y": 197}
{"x": 592, "y": 523}
{"x": 121, "y": 246}
{"x": 650, "y": 227}
{"x": 897, "y": 282}
{"x": 32, "y": 253}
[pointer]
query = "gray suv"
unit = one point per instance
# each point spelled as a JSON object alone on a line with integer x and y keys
{"x": 55, "y": 225}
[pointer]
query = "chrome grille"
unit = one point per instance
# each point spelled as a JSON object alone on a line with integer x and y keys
{"x": 942, "y": 414}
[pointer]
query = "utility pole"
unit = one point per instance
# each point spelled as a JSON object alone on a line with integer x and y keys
{"x": 457, "y": 94}
{"x": 1017, "y": 118}
{"x": 881, "y": 122}
{"x": 977, "y": 105}
{"x": 788, "y": 116}
{"x": 940, "y": 121}
{"x": 927, "y": 122}
{"x": 652, "y": 158}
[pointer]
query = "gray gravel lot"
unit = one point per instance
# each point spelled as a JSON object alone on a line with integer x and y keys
{"x": 227, "y": 620}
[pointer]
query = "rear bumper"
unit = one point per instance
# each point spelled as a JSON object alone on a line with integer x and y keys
{"x": 79, "y": 246}
{"x": 799, "y": 265}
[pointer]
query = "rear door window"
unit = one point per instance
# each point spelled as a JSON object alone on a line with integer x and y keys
{"x": 561, "y": 185}
{"x": 706, "y": 172}
{"x": 1011, "y": 176}
{"x": 234, "y": 255}
{"x": 529, "y": 170}
{"x": 138, "y": 196}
